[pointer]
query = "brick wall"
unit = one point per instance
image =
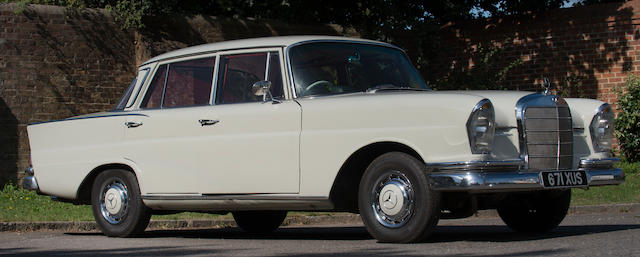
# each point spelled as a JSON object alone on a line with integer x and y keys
{"x": 591, "y": 48}
{"x": 56, "y": 63}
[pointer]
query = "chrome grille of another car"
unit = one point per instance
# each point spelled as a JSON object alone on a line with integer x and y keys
{"x": 548, "y": 137}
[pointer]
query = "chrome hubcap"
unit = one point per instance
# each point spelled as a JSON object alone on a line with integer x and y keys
{"x": 114, "y": 202}
{"x": 392, "y": 200}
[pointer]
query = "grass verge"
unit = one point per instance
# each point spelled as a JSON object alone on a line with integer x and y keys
{"x": 17, "y": 204}
{"x": 627, "y": 192}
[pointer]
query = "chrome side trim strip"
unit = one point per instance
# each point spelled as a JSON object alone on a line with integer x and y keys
{"x": 230, "y": 197}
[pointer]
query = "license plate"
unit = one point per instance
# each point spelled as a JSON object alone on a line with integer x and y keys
{"x": 573, "y": 178}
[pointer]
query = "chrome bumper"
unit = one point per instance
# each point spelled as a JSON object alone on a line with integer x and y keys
{"x": 29, "y": 182}
{"x": 484, "y": 176}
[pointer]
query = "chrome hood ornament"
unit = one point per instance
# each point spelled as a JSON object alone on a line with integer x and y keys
{"x": 547, "y": 86}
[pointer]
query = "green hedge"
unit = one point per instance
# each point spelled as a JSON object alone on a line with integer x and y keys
{"x": 627, "y": 127}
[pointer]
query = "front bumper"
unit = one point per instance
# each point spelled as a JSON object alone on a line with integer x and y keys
{"x": 29, "y": 182}
{"x": 509, "y": 176}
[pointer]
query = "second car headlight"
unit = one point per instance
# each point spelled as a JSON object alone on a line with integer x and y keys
{"x": 601, "y": 129}
{"x": 481, "y": 127}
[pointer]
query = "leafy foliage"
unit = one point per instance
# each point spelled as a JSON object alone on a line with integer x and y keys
{"x": 372, "y": 16}
{"x": 627, "y": 124}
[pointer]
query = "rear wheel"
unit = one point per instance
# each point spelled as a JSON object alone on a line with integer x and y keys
{"x": 117, "y": 205}
{"x": 535, "y": 212}
{"x": 395, "y": 199}
{"x": 259, "y": 221}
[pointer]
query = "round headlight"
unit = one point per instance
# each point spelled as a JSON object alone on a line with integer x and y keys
{"x": 481, "y": 127}
{"x": 601, "y": 129}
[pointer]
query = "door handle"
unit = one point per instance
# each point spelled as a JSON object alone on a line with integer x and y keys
{"x": 133, "y": 124}
{"x": 208, "y": 122}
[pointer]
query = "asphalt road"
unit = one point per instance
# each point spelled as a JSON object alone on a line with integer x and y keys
{"x": 605, "y": 234}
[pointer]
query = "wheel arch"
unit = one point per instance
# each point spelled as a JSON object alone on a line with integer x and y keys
{"x": 83, "y": 196}
{"x": 344, "y": 191}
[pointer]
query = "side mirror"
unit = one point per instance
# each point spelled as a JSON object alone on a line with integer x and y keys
{"x": 263, "y": 88}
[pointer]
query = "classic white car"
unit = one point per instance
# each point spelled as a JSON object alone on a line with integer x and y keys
{"x": 263, "y": 126}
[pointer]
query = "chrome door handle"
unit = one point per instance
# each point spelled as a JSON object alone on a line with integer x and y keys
{"x": 133, "y": 124}
{"x": 208, "y": 122}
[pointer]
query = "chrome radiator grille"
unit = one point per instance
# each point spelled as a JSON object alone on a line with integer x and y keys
{"x": 548, "y": 137}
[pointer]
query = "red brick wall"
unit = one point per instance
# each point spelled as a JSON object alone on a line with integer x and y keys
{"x": 56, "y": 63}
{"x": 596, "y": 47}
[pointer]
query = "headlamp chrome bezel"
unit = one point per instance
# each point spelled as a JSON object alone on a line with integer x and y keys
{"x": 601, "y": 128}
{"x": 481, "y": 127}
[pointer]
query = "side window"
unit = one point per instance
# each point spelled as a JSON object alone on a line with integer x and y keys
{"x": 153, "y": 98}
{"x": 178, "y": 84}
{"x": 189, "y": 83}
{"x": 275, "y": 76}
{"x": 140, "y": 77}
{"x": 238, "y": 73}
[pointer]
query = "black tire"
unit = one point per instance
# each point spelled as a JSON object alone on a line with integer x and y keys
{"x": 117, "y": 205}
{"x": 259, "y": 221}
{"x": 395, "y": 199}
{"x": 535, "y": 212}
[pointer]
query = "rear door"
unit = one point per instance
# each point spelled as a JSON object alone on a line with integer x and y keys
{"x": 166, "y": 136}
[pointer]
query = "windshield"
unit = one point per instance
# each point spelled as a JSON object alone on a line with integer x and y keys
{"x": 122, "y": 103}
{"x": 329, "y": 68}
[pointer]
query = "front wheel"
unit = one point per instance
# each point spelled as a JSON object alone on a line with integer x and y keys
{"x": 117, "y": 205}
{"x": 396, "y": 201}
{"x": 535, "y": 212}
{"x": 259, "y": 221}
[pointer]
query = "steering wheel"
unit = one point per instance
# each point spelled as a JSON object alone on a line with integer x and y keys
{"x": 318, "y": 85}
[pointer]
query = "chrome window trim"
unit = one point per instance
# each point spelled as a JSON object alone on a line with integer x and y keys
{"x": 294, "y": 94}
{"x": 214, "y": 81}
{"x": 266, "y": 68}
{"x": 219, "y": 54}
{"x": 533, "y": 100}
{"x": 164, "y": 86}
{"x": 168, "y": 62}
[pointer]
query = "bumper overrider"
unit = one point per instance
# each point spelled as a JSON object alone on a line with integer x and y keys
{"x": 29, "y": 182}
{"x": 509, "y": 175}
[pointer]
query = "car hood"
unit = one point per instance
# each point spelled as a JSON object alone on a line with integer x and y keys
{"x": 504, "y": 102}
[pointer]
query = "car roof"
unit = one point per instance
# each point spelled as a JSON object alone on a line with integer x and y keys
{"x": 281, "y": 41}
